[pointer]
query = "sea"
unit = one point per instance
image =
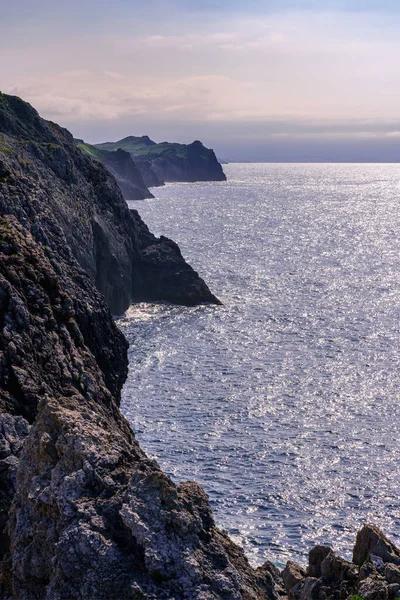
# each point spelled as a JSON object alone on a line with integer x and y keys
{"x": 284, "y": 402}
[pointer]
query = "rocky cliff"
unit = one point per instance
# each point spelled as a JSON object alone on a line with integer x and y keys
{"x": 125, "y": 171}
{"x": 73, "y": 207}
{"x": 170, "y": 161}
{"x": 84, "y": 513}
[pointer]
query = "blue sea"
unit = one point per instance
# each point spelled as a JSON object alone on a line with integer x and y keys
{"x": 284, "y": 402}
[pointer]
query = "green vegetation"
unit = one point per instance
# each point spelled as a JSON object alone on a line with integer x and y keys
{"x": 144, "y": 148}
{"x": 356, "y": 598}
{"x": 5, "y": 150}
{"x": 88, "y": 149}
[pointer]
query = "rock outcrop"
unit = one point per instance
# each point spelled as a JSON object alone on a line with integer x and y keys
{"x": 91, "y": 516}
{"x": 374, "y": 573}
{"x": 170, "y": 161}
{"x": 125, "y": 171}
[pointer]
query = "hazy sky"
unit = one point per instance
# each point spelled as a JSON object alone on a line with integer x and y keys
{"x": 255, "y": 80}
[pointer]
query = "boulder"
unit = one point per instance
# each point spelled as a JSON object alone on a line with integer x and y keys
{"x": 371, "y": 540}
{"x": 373, "y": 589}
{"x": 315, "y": 559}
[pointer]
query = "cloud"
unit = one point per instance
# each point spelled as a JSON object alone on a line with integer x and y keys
{"x": 288, "y": 73}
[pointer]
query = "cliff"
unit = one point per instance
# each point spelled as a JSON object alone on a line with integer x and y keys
{"x": 87, "y": 514}
{"x": 125, "y": 171}
{"x": 170, "y": 161}
{"x": 91, "y": 517}
{"x": 73, "y": 206}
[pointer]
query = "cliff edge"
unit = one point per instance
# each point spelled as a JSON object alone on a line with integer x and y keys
{"x": 83, "y": 512}
{"x": 73, "y": 206}
{"x": 121, "y": 165}
{"x": 170, "y": 161}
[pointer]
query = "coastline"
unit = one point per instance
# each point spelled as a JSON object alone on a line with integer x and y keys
{"x": 87, "y": 513}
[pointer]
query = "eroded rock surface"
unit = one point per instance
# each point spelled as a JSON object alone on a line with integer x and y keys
{"x": 92, "y": 517}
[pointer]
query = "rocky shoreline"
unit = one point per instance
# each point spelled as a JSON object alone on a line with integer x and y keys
{"x": 84, "y": 513}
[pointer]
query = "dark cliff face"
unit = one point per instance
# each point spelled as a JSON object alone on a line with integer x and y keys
{"x": 73, "y": 206}
{"x": 125, "y": 171}
{"x": 170, "y": 161}
{"x": 91, "y": 516}
{"x": 150, "y": 177}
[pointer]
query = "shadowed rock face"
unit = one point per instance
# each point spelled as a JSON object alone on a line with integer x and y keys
{"x": 92, "y": 516}
{"x": 170, "y": 161}
{"x": 73, "y": 206}
{"x": 125, "y": 171}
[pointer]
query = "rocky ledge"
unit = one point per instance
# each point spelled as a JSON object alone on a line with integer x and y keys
{"x": 84, "y": 513}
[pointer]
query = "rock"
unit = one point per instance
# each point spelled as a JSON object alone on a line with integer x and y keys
{"x": 334, "y": 568}
{"x": 392, "y": 573}
{"x": 368, "y": 569}
{"x": 150, "y": 178}
{"x": 87, "y": 513}
{"x": 370, "y": 540}
{"x": 315, "y": 559}
{"x": 13, "y": 433}
{"x": 377, "y": 562}
{"x": 121, "y": 165}
{"x": 311, "y": 589}
{"x": 270, "y": 581}
{"x": 293, "y": 576}
{"x": 372, "y": 589}
{"x": 393, "y": 590}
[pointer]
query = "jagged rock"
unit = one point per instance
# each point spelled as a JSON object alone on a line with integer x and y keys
{"x": 368, "y": 569}
{"x": 335, "y": 568}
{"x": 392, "y": 573}
{"x": 91, "y": 516}
{"x": 315, "y": 559}
{"x": 393, "y": 590}
{"x": 270, "y": 581}
{"x": 373, "y": 589}
{"x": 377, "y": 562}
{"x": 13, "y": 433}
{"x": 293, "y": 576}
{"x": 74, "y": 208}
{"x": 310, "y": 589}
{"x": 121, "y": 165}
{"x": 370, "y": 540}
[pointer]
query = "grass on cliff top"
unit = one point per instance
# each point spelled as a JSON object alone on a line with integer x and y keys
{"x": 88, "y": 149}
{"x": 144, "y": 149}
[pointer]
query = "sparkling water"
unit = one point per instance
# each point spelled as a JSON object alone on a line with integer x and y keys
{"x": 284, "y": 402}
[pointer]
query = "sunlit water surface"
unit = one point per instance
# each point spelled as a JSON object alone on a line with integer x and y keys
{"x": 283, "y": 403}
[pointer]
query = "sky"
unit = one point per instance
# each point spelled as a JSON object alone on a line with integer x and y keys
{"x": 274, "y": 80}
